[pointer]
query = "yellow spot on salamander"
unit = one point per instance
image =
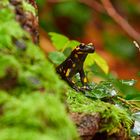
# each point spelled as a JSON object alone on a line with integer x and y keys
{"x": 84, "y": 87}
{"x": 73, "y": 65}
{"x": 90, "y": 44}
{"x": 77, "y": 49}
{"x": 73, "y": 82}
{"x": 85, "y": 80}
{"x": 80, "y": 52}
{"x": 68, "y": 72}
{"x": 76, "y": 55}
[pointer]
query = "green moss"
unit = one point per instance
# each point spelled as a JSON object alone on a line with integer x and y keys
{"x": 7, "y": 33}
{"x": 113, "y": 117}
{"x": 33, "y": 108}
{"x": 4, "y": 3}
{"x": 35, "y": 114}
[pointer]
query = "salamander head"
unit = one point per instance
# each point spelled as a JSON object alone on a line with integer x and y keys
{"x": 82, "y": 48}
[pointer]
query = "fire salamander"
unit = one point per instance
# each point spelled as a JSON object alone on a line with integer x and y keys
{"x": 74, "y": 64}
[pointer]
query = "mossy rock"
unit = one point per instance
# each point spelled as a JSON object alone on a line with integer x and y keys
{"x": 107, "y": 118}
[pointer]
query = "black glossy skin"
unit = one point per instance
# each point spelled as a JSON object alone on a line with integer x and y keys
{"x": 74, "y": 64}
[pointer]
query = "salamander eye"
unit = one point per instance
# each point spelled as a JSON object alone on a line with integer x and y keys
{"x": 82, "y": 45}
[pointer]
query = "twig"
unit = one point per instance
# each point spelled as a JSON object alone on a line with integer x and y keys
{"x": 127, "y": 102}
{"x": 120, "y": 20}
{"x": 94, "y": 5}
{"x": 114, "y": 15}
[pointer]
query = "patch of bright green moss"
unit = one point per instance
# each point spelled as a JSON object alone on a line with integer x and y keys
{"x": 114, "y": 117}
{"x": 34, "y": 116}
{"x": 4, "y": 3}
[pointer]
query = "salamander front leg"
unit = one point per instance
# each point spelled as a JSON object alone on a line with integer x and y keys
{"x": 72, "y": 84}
{"x": 84, "y": 80}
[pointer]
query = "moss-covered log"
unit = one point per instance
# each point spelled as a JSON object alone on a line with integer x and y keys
{"x": 30, "y": 91}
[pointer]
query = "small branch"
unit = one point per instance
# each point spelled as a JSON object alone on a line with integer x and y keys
{"x": 120, "y": 20}
{"x": 94, "y": 5}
